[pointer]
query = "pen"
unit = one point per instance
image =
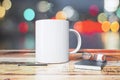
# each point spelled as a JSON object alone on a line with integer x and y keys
{"x": 32, "y": 64}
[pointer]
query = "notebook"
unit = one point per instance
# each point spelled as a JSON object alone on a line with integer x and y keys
{"x": 90, "y": 65}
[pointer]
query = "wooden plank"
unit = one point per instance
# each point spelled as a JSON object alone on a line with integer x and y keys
{"x": 52, "y": 69}
{"x": 59, "y": 77}
{"x": 63, "y": 71}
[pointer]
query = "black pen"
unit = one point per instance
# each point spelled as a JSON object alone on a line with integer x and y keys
{"x": 32, "y": 64}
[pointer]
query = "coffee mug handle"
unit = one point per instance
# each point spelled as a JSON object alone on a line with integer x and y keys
{"x": 78, "y": 39}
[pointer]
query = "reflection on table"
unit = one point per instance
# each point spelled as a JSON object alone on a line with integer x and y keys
{"x": 107, "y": 40}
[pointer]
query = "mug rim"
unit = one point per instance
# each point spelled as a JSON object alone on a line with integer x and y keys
{"x": 51, "y": 20}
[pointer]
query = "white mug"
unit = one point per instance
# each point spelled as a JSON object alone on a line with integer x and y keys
{"x": 52, "y": 41}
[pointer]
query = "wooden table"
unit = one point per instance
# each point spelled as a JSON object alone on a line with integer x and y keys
{"x": 64, "y": 71}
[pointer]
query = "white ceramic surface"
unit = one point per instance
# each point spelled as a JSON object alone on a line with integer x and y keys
{"x": 52, "y": 41}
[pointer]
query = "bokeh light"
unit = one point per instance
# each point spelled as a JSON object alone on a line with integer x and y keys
{"x": 118, "y": 12}
{"x": 92, "y": 26}
{"x": 106, "y": 26}
{"x": 71, "y": 13}
{"x": 7, "y": 4}
{"x": 29, "y": 14}
{"x": 113, "y": 18}
{"x": 111, "y": 40}
{"x": 87, "y": 26}
{"x": 75, "y": 16}
{"x": 111, "y": 5}
{"x": 23, "y": 27}
{"x": 114, "y": 26}
{"x": 60, "y": 15}
{"x": 2, "y": 12}
{"x": 44, "y": 6}
{"x": 93, "y": 10}
{"x": 102, "y": 17}
{"x": 78, "y": 26}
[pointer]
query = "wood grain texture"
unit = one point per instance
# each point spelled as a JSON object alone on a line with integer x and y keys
{"x": 63, "y": 71}
{"x": 54, "y": 69}
{"x": 59, "y": 77}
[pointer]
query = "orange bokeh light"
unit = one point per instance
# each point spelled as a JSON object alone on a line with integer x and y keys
{"x": 105, "y": 26}
{"x": 78, "y": 26}
{"x": 60, "y": 15}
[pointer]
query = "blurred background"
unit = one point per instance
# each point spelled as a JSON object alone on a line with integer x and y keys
{"x": 97, "y": 21}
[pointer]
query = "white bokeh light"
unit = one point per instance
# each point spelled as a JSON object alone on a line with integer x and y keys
{"x": 111, "y": 5}
{"x": 44, "y": 6}
{"x": 71, "y": 13}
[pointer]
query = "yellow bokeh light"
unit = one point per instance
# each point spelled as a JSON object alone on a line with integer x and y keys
{"x": 2, "y": 12}
{"x": 7, "y": 4}
{"x": 106, "y": 26}
{"x": 61, "y": 15}
{"x": 114, "y": 26}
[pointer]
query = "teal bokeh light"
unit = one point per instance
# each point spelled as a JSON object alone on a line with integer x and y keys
{"x": 118, "y": 12}
{"x": 29, "y": 14}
